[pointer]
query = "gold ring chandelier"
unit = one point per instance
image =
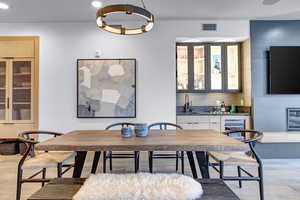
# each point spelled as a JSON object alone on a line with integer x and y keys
{"x": 128, "y": 9}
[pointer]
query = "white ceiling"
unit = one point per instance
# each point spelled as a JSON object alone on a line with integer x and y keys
{"x": 81, "y": 10}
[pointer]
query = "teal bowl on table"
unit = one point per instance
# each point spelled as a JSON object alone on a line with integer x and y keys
{"x": 141, "y": 130}
{"x": 126, "y": 132}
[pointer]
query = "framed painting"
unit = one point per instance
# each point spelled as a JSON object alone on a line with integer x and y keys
{"x": 106, "y": 88}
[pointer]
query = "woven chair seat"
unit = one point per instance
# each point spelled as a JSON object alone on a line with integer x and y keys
{"x": 233, "y": 158}
{"x": 48, "y": 159}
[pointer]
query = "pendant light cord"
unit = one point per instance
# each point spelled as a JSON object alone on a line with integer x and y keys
{"x": 143, "y": 4}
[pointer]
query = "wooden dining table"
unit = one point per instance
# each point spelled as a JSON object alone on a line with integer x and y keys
{"x": 198, "y": 141}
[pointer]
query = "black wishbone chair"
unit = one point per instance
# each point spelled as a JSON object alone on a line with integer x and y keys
{"x": 41, "y": 160}
{"x": 240, "y": 159}
{"x": 177, "y": 155}
{"x": 110, "y": 155}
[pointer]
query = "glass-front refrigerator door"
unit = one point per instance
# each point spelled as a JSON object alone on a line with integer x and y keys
{"x": 4, "y": 104}
{"x": 21, "y": 91}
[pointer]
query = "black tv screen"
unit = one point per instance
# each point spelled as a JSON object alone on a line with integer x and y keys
{"x": 284, "y": 70}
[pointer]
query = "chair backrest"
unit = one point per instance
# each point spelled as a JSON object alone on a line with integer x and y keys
{"x": 164, "y": 125}
{"x": 248, "y": 136}
{"x": 120, "y": 124}
{"x": 17, "y": 142}
{"x": 28, "y": 134}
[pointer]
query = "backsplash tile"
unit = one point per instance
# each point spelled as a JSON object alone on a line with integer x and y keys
{"x": 209, "y": 99}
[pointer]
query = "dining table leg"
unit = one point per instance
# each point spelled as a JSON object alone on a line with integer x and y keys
{"x": 203, "y": 164}
{"x": 192, "y": 164}
{"x": 79, "y": 162}
{"x": 95, "y": 162}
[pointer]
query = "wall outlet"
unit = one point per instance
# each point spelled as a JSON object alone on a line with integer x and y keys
{"x": 98, "y": 53}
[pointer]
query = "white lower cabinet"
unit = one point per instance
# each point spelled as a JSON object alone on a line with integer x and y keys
{"x": 200, "y": 125}
{"x": 193, "y": 122}
{"x": 216, "y": 123}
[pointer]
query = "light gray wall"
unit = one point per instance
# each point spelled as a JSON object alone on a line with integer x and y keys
{"x": 62, "y": 43}
{"x": 270, "y": 110}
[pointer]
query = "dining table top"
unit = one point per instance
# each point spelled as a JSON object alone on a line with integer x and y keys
{"x": 157, "y": 140}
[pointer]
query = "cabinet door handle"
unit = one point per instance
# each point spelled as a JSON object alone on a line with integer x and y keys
{"x": 7, "y": 103}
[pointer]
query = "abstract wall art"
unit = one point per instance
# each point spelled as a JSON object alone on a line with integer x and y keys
{"x": 106, "y": 88}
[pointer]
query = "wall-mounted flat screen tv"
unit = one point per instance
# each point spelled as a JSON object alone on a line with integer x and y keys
{"x": 284, "y": 70}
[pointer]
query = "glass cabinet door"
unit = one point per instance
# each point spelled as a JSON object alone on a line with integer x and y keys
{"x": 208, "y": 67}
{"x": 21, "y": 90}
{"x": 199, "y": 68}
{"x": 3, "y": 89}
{"x": 182, "y": 68}
{"x": 216, "y": 67}
{"x": 233, "y": 67}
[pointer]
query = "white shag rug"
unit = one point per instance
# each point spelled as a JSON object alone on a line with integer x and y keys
{"x": 142, "y": 186}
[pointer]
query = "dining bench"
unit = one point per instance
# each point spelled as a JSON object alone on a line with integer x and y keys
{"x": 66, "y": 188}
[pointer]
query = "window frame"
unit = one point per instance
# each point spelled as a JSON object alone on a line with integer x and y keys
{"x": 207, "y": 68}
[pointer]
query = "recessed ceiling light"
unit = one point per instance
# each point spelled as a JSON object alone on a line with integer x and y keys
{"x": 4, "y": 6}
{"x": 96, "y": 4}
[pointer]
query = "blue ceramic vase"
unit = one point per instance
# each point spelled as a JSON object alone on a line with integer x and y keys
{"x": 141, "y": 130}
{"x": 126, "y": 132}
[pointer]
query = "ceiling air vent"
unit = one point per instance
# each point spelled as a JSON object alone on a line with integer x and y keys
{"x": 209, "y": 27}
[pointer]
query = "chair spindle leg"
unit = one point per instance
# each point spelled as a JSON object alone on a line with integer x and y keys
{"x": 239, "y": 175}
{"x": 261, "y": 183}
{"x": 221, "y": 169}
{"x": 110, "y": 161}
{"x": 177, "y": 160}
{"x": 59, "y": 170}
{"x": 43, "y": 176}
{"x": 104, "y": 162}
{"x": 19, "y": 184}
{"x": 151, "y": 161}
{"x": 182, "y": 162}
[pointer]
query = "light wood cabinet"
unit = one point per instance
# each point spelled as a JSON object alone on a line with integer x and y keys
{"x": 18, "y": 85}
{"x": 17, "y": 47}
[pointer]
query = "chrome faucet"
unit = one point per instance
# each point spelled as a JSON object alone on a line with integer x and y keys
{"x": 186, "y": 107}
